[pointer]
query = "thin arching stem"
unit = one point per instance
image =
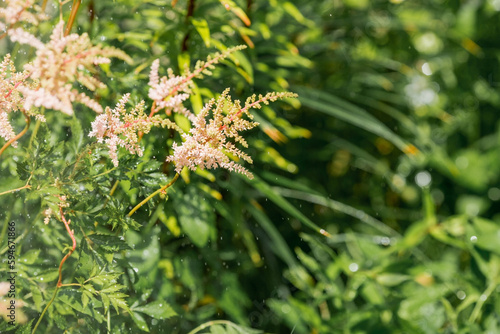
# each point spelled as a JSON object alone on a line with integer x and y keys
{"x": 59, "y": 282}
{"x": 72, "y": 16}
{"x": 153, "y": 195}
{"x": 19, "y": 135}
{"x": 26, "y": 186}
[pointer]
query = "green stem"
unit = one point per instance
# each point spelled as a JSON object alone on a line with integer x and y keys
{"x": 113, "y": 189}
{"x": 109, "y": 321}
{"x": 14, "y": 190}
{"x": 482, "y": 299}
{"x": 26, "y": 186}
{"x": 45, "y": 309}
{"x": 59, "y": 282}
{"x": 35, "y": 130}
{"x": 153, "y": 195}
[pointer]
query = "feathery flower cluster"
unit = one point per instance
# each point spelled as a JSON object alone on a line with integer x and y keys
{"x": 18, "y": 11}
{"x": 10, "y": 98}
{"x": 210, "y": 142}
{"x": 169, "y": 92}
{"x": 61, "y": 62}
{"x": 118, "y": 128}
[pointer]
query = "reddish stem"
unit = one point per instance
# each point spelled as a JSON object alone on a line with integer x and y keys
{"x": 72, "y": 16}
{"x": 19, "y": 135}
{"x": 72, "y": 235}
{"x": 17, "y": 85}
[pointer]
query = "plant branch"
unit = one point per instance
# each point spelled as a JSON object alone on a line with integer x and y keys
{"x": 7, "y": 144}
{"x": 72, "y": 236}
{"x": 59, "y": 284}
{"x": 26, "y": 186}
{"x": 190, "y": 12}
{"x": 45, "y": 309}
{"x": 482, "y": 299}
{"x": 72, "y": 16}
{"x": 153, "y": 195}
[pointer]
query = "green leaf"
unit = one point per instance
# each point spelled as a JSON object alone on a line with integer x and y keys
{"x": 278, "y": 243}
{"x": 140, "y": 321}
{"x": 118, "y": 301}
{"x": 30, "y": 257}
{"x": 26, "y": 328}
{"x": 76, "y": 140}
{"x": 157, "y": 309}
{"x": 390, "y": 279}
{"x": 195, "y": 217}
{"x": 274, "y": 196}
{"x": 336, "y": 107}
{"x": 47, "y": 276}
{"x": 202, "y": 28}
{"x": 109, "y": 243}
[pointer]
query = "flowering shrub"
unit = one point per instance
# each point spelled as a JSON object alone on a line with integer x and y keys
{"x": 73, "y": 178}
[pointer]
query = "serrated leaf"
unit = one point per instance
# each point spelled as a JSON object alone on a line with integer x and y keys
{"x": 72, "y": 298}
{"x": 47, "y": 276}
{"x": 85, "y": 298}
{"x": 105, "y": 302}
{"x": 26, "y": 328}
{"x": 113, "y": 288}
{"x": 118, "y": 301}
{"x": 140, "y": 322}
{"x": 109, "y": 243}
{"x": 104, "y": 278}
{"x": 157, "y": 310}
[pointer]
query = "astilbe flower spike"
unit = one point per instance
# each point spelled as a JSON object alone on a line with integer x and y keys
{"x": 61, "y": 62}
{"x": 10, "y": 98}
{"x": 14, "y": 11}
{"x": 169, "y": 92}
{"x": 212, "y": 139}
{"x": 118, "y": 128}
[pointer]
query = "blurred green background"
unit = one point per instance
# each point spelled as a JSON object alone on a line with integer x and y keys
{"x": 374, "y": 207}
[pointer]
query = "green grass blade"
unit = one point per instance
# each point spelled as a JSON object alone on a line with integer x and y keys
{"x": 343, "y": 110}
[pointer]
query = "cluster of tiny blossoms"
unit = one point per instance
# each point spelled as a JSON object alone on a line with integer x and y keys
{"x": 119, "y": 128}
{"x": 10, "y": 98}
{"x": 169, "y": 92}
{"x": 211, "y": 141}
{"x": 14, "y": 11}
{"x": 61, "y": 62}
{"x": 216, "y": 130}
{"x": 65, "y": 60}
{"x": 48, "y": 81}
